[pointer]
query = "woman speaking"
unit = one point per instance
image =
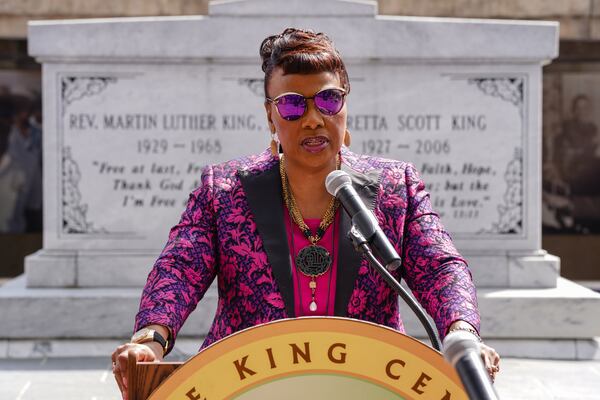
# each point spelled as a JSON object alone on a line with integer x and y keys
{"x": 268, "y": 230}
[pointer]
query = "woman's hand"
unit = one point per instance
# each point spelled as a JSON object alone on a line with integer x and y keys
{"x": 491, "y": 360}
{"x": 150, "y": 351}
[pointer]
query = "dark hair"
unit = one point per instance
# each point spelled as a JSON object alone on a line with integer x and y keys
{"x": 299, "y": 51}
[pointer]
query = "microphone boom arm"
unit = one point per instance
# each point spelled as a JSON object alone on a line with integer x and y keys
{"x": 362, "y": 246}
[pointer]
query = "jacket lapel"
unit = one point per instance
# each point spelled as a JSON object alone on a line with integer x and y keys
{"x": 263, "y": 191}
{"x": 366, "y": 185}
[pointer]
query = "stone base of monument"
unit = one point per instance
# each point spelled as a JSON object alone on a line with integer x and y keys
{"x": 454, "y": 97}
{"x": 97, "y": 268}
{"x": 559, "y": 322}
{"x": 63, "y": 268}
{"x": 531, "y": 269}
{"x": 186, "y": 347}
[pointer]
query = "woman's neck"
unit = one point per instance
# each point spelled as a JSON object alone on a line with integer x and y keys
{"x": 308, "y": 189}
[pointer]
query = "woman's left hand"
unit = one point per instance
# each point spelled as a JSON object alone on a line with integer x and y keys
{"x": 490, "y": 357}
{"x": 491, "y": 360}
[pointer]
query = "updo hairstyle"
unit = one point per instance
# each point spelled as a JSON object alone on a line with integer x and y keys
{"x": 299, "y": 51}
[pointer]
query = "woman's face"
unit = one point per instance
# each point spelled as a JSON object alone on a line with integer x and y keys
{"x": 312, "y": 141}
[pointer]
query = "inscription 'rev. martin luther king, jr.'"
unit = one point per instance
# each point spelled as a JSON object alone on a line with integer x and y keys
{"x": 466, "y": 133}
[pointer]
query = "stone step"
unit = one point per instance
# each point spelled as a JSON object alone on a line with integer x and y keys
{"x": 534, "y": 269}
{"x": 564, "y": 314}
{"x": 557, "y": 349}
{"x": 568, "y": 311}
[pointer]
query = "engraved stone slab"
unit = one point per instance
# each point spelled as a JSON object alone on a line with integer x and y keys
{"x": 129, "y": 127}
{"x": 129, "y": 148}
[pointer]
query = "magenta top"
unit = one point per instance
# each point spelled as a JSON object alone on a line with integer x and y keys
{"x": 325, "y": 291}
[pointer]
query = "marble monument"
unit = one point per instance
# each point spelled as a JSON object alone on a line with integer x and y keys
{"x": 135, "y": 107}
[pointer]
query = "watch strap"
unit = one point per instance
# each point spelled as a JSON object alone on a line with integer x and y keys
{"x": 160, "y": 340}
{"x": 150, "y": 335}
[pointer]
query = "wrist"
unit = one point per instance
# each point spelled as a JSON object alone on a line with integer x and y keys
{"x": 156, "y": 348}
{"x": 149, "y": 335}
{"x": 463, "y": 326}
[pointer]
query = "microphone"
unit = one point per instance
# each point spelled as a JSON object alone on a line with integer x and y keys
{"x": 339, "y": 185}
{"x": 462, "y": 350}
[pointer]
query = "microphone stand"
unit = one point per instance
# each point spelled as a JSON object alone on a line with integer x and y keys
{"x": 362, "y": 246}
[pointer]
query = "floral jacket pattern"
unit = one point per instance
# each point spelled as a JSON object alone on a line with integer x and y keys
{"x": 232, "y": 229}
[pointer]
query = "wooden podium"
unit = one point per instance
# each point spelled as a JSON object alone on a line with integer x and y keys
{"x": 314, "y": 358}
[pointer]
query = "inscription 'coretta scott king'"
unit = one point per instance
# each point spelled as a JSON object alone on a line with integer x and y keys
{"x": 131, "y": 149}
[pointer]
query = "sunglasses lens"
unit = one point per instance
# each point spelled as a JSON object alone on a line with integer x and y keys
{"x": 291, "y": 106}
{"x": 329, "y": 101}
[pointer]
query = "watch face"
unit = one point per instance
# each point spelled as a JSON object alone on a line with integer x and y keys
{"x": 143, "y": 335}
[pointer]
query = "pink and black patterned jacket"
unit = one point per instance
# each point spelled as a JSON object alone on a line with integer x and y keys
{"x": 233, "y": 229}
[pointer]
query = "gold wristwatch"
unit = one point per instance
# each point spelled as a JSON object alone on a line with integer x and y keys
{"x": 150, "y": 335}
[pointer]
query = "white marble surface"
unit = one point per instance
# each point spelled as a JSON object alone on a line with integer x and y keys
{"x": 125, "y": 184}
{"x": 51, "y": 269}
{"x": 536, "y": 270}
{"x": 564, "y": 349}
{"x": 63, "y": 269}
{"x": 398, "y": 38}
{"x": 90, "y": 377}
{"x": 488, "y": 270}
{"x": 129, "y": 269}
{"x": 451, "y": 96}
{"x": 4, "y": 348}
{"x": 521, "y": 379}
{"x": 527, "y": 327}
{"x": 452, "y": 69}
{"x": 469, "y": 131}
{"x": 20, "y": 349}
{"x": 568, "y": 311}
{"x": 70, "y": 348}
{"x": 540, "y": 270}
{"x": 588, "y": 349}
{"x": 565, "y": 312}
{"x": 29, "y": 313}
{"x": 114, "y": 269}
{"x": 317, "y": 8}
{"x": 108, "y": 269}
{"x": 68, "y": 313}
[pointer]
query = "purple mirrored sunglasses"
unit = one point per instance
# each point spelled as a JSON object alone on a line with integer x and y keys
{"x": 292, "y": 106}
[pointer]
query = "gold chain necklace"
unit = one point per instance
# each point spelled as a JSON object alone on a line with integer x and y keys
{"x": 312, "y": 260}
{"x": 295, "y": 213}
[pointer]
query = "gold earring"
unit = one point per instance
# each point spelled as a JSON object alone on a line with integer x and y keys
{"x": 347, "y": 139}
{"x": 274, "y": 145}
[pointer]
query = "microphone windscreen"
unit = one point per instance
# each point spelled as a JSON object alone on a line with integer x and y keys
{"x": 457, "y": 343}
{"x": 335, "y": 180}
